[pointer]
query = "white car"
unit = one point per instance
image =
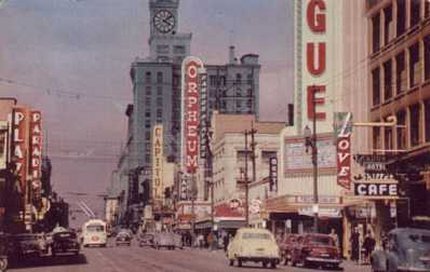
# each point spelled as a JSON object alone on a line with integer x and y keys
{"x": 254, "y": 245}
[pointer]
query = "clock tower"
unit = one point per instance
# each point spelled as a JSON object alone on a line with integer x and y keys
{"x": 165, "y": 43}
{"x": 164, "y": 17}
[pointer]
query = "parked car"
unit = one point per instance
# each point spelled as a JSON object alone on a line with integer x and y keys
{"x": 146, "y": 239}
{"x": 28, "y": 245}
{"x": 4, "y": 251}
{"x": 315, "y": 249}
{"x": 178, "y": 241}
{"x": 407, "y": 249}
{"x": 65, "y": 242}
{"x": 123, "y": 238}
{"x": 286, "y": 247}
{"x": 253, "y": 245}
{"x": 164, "y": 239}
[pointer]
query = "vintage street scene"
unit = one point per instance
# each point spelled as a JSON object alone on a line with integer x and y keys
{"x": 214, "y": 135}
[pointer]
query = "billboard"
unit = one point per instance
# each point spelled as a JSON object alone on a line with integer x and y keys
{"x": 191, "y": 68}
{"x": 157, "y": 163}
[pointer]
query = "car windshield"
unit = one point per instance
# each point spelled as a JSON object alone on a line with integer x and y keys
{"x": 95, "y": 228}
{"x": 321, "y": 240}
{"x": 254, "y": 235}
{"x": 423, "y": 240}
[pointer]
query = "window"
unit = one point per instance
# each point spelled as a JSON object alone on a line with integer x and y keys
{"x": 148, "y": 90}
{"x": 163, "y": 49}
{"x": 376, "y": 137}
{"x": 238, "y": 78}
{"x": 376, "y": 33}
{"x": 147, "y": 135}
{"x": 388, "y": 24}
{"x": 159, "y": 113}
{"x": 415, "y": 12}
{"x": 376, "y": 87}
{"x": 148, "y": 101}
{"x": 222, "y": 80}
{"x": 159, "y": 90}
{"x": 266, "y": 155}
{"x": 388, "y": 88}
{"x": 249, "y": 92}
{"x": 238, "y": 92}
{"x": 427, "y": 119}
{"x": 212, "y": 80}
{"x": 415, "y": 124}
{"x": 400, "y": 73}
{"x": 249, "y": 103}
{"x": 148, "y": 77}
{"x": 250, "y": 78}
{"x": 427, "y": 57}
{"x": 147, "y": 123}
{"x": 159, "y": 77}
{"x": 401, "y": 131}
{"x": 179, "y": 49}
{"x": 159, "y": 102}
{"x": 388, "y": 138}
{"x": 238, "y": 104}
{"x": 414, "y": 65}
{"x": 148, "y": 114}
{"x": 427, "y": 9}
{"x": 401, "y": 17}
{"x": 240, "y": 155}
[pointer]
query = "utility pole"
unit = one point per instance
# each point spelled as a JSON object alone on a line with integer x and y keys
{"x": 246, "y": 179}
{"x": 253, "y": 144}
{"x": 193, "y": 222}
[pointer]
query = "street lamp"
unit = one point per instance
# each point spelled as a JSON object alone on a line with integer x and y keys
{"x": 311, "y": 141}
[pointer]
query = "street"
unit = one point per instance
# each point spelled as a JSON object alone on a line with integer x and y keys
{"x": 126, "y": 259}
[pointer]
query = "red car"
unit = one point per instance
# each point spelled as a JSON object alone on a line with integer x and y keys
{"x": 314, "y": 249}
{"x": 286, "y": 247}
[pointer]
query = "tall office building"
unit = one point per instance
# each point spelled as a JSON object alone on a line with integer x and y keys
{"x": 232, "y": 88}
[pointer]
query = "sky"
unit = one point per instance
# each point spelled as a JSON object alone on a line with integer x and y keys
{"x": 71, "y": 59}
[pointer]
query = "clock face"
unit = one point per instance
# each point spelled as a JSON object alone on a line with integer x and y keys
{"x": 164, "y": 21}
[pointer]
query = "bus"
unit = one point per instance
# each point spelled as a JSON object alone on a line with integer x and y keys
{"x": 94, "y": 233}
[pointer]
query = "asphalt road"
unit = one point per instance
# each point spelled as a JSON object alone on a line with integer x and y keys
{"x": 135, "y": 259}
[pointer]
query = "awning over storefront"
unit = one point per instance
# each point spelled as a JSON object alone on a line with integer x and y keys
{"x": 221, "y": 224}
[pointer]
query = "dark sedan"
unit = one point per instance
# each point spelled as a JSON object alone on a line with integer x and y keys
{"x": 123, "y": 238}
{"x": 315, "y": 249}
{"x": 407, "y": 249}
{"x": 146, "y": 239}
{"x": 65, "y": 242}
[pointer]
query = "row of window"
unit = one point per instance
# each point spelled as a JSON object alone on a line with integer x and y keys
{"x": 382, "y": 24}
{"x": 148, "y": 77}
{"x": 148, "y": 101}
{"x": 165, "y": 49}
{"x": 410, "y": 132}
{"x": 221, "y": 80}
{"x": 397, "y": 77}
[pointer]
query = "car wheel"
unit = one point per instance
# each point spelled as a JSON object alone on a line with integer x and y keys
{"x": 273, "y": 264}
{"x": 239, "y": 263}
{"x": 231, "y": 262}
{"x": 3, "y": 264}
{"x": 264, "y": 264}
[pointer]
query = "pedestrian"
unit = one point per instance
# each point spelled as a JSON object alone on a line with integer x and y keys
{"x": 210, "y": 240}
{"x": 200, "y": 240}
{"x": 225, "y": 242}
{"x": 369, "y": 246}
{"x": 355, "y": 245}
{"x": 334, "y": 236}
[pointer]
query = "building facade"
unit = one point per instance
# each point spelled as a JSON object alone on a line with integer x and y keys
{"x": 398, "y": 85}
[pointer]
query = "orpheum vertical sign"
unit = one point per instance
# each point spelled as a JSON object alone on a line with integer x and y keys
{"x": 35, "y": 167}
{"x": 316, "y": 57}
{"x": 191, "y": 66}
{"x": 20, "y": 144}
{"x": 157, "y": 163}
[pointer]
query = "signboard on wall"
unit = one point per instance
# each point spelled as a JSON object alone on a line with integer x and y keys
{"x": 3, "y": 144}
{"x": 157, "y": 163}
{"x": 35, "y": 165}
{"x": 296, "y": 159}
{"x": 20, "y": 143}
{"x": 191, "y": 67}
{"x": 343, "y": 130}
